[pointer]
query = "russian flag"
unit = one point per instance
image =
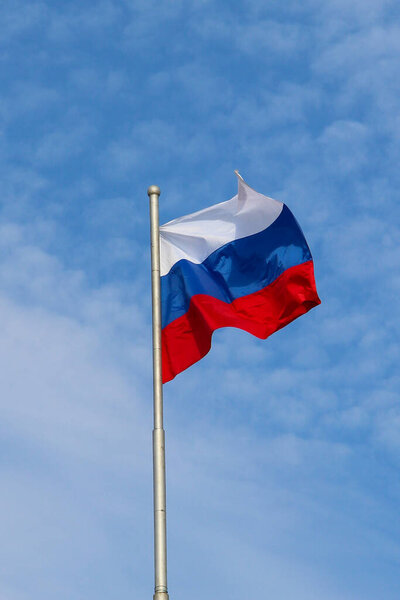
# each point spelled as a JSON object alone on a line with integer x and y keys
{"x": 242, "y": 263}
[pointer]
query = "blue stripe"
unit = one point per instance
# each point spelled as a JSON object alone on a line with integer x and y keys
{"x": 236, "y": 269}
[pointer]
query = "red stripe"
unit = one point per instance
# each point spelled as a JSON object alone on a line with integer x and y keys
{"x": 187, "y": 339}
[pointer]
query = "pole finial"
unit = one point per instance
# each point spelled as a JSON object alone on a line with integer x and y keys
{"x": 154, "y": 189}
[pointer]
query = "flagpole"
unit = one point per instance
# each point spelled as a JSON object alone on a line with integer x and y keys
{"x": 159, "y": 495}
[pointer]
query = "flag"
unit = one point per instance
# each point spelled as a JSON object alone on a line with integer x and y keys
{"x": 242, "y": 263}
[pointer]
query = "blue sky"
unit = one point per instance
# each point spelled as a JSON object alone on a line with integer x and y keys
{"x": 283, "y": 455}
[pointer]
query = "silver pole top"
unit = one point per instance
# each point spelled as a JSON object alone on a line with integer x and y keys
{"x": 154, "y": 189}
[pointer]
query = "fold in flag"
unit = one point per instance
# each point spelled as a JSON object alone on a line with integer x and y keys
{"x": 242, "y": 263}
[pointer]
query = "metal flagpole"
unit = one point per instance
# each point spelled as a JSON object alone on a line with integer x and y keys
{"x": 160, "y": 529}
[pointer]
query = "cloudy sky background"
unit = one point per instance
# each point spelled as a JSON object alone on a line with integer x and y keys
{"x": 283, "y": 456}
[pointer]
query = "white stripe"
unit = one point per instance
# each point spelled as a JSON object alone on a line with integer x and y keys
{"x": 194, "y": 237}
